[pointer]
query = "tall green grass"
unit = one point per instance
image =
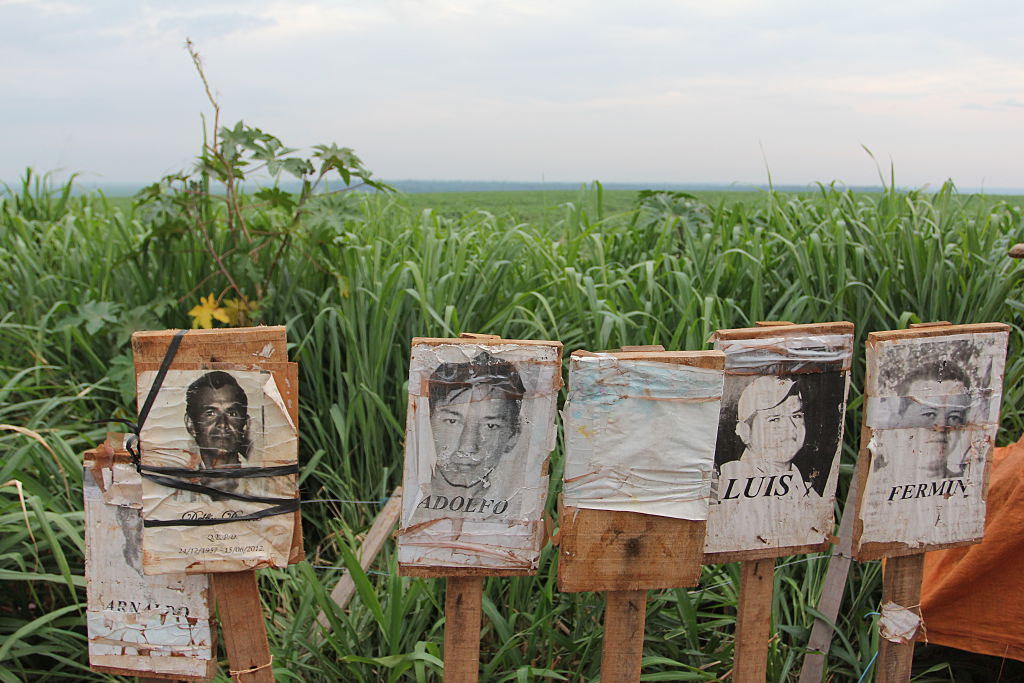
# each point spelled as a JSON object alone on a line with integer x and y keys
{"x": 77, "y": 276}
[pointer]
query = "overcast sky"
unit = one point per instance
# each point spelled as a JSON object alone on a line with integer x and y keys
{"x": 560, "y": 90}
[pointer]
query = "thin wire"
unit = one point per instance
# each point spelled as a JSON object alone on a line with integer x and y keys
{"x": 873, "y": 658}
{"x": 368, "y": 571}
{"x": 345, "y": 500}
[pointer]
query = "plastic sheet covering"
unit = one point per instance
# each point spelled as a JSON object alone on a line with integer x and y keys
{"x": 778, "y": 355}
{"x": 640, "y": 436}
{"x": 479, "y": 431}
{"x": 898, "y": 624}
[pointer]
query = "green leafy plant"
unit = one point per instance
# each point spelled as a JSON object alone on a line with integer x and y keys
{"x": 259, "y": 227}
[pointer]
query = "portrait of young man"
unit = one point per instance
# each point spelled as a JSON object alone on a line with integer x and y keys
{"x": 936, "y": 404}
{"x": 475, "y": 422}
{"x": 778, "y": 425}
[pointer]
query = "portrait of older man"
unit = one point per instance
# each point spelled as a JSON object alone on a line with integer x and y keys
{"x": 217, "y": 419}
{"x": 475, "y": 421}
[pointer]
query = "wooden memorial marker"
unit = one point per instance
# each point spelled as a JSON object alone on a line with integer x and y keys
{"x": 932, "y": 398}
{"x": 157, "y": 627}
{"x": 640, "y": 430}
{"x": 479, "y": 432}
{"x": 776, "y": 462}
{"x": 227, "y": 401}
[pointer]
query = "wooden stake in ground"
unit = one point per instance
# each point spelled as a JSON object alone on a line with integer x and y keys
{"x": 226, "y": 358}
{"x": 480, "y": 428}
{"x": 777, "y": 458}
{"x": 656, "y": 401}
{"x": 932, "y": 396}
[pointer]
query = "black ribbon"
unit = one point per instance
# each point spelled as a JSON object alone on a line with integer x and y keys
{"x": 174, "y": 477}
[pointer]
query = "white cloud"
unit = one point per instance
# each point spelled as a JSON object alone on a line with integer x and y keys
{"x": 504, "y": 90}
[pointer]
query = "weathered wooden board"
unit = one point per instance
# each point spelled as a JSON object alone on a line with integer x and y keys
{"x": 604, "y": 550}
{"x": 248, "y": 366}
{"x": 640, "y": 429}
{"x": 779, "y": 439}
{"x": 479, "y": 433}
{"x": 932, "y": 399}
{"x": 151, "y": 626}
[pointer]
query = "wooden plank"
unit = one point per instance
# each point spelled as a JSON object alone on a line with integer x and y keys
{"x": 831, "y": 598}
{"x": 241, "y": 619}
{"x": 610, "y": 550}
{"x": 901, "y": 585}
{"x": 711, "y": 360}
{"x": 625, "y": 613}
{"x": 937, "y": 331}
{"x": 753, "y": 620}
{"x": 477, "y": 336}
{"x": 157, "y": 626}
{"x": 482, "y": 339}
{"x": 463, "y": 572}
{"x": 463, "y": 612}
{"x": 252, "y": 347}
{"x": 378, "y": 534}
{"x": 229, "y": 345}
{"x": 873, "y": 550}
{"x": 841, "y": 327}
{"x": 642, "y": 347}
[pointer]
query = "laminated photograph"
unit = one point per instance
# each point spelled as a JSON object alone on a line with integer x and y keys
{"x": 229, "y": 427}
{"x": 780, "y": 435}
{"x": 137, "y": 623}
{"x": 640, "y": 435}
{"x": 932, "y": 412}
{"x": 479, "y": 433}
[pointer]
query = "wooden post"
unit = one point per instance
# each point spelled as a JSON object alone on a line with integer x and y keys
{"x": 241, "y": 620}
{"x": 831, "y": 593}
{"x": 463, "y": 611}
{"x": 437, "y": 538}
{"x": 892, "y": 535}
{"x": 626, "y": 553}
{"x": 901, "y": 585}
{"x": 776, "y": 535}
{"x": 624, "y": 615}
{"x": 753, "y": 619}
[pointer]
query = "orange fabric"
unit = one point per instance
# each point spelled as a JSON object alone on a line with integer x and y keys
{"x": 972, "y": 598}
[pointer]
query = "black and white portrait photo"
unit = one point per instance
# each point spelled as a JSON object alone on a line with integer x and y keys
{"x": 781, "y": 425}
{"x": 780, "y": 434}
{"x": 480, "y": 429}
{"x": 932, "y": 406}
{"x": 216, "y": 420}
{"x": 475, "y": 421}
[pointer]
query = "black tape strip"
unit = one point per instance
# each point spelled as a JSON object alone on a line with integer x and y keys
{"x": 291, "y": 506}
{"x": 210, "y": 491}
{"x": 235, "y": 473}
{"x": 165, "y": 365}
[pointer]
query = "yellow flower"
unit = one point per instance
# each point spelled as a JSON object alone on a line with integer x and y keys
{"x": 206, "y": 311}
